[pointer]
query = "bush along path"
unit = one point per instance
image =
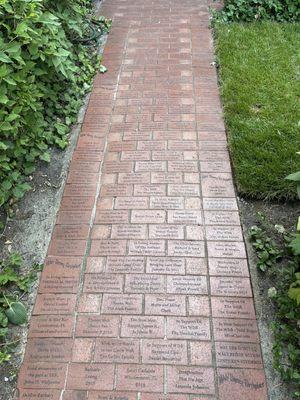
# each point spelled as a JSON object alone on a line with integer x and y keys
{"x": 145, "y": 293}
{"x": 47, "y": 63}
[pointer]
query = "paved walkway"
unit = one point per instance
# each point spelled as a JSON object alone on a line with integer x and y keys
{"x": 145, "y": 294}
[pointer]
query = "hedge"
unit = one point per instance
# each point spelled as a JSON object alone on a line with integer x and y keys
{"x": 45, "y": 70}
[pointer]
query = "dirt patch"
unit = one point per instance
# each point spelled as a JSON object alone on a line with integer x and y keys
{"x": 286, "y": 215}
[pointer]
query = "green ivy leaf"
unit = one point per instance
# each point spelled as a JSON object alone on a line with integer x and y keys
{"x": 16, "y": 313}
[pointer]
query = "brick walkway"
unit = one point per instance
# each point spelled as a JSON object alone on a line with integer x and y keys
{"x": 145, "y": 294}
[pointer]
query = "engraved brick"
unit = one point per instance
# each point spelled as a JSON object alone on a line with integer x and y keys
{"x": 39, "y": 394}
{"x": 117, "y": 351}
{"x": 134, "y": 178}
{"x": 166, "y": 203}
{"x": 148, "y": 378}
{"x": 77, "y": 203}
{"x": 221, "y": 218}
{"x": 142, "y": 283}
{"x": 122, "y": 304}
{"x": 166, "y": 232}
{"x": 236, "y": 384}
{"x": 121, "y": 265}
{"x": 195, "y": 328}
{"x": 215, "y": 166}
{"x": 191, "y": 190}
{"x": 60, "y": 275}
{"x": 156, "y": 351}
{"x": 129, "y": 203}
{"x": 228, "y": 267}
{"x": 185, "y": 217}
{"x": 67, "y": 247}
{"x": 54, "y": 304}
{"x": 116, "y": 190}
{"x": 112, "y": 167}
{"x": 146, "y": 247}
{"x": 190, "y": 284}
{"x": 90, "y": 376}
{"x": 185, "y": 248}
{"x": 148, "y": 216}
{"x": 192, "y": 380}
{"x": 51, "y": 326}
{"x": 127, "y": 231}
{"x": 231, "y": 233}
{"x": 99, "y": 283}
{"x": 235, "y": 330}
{"x": 112, "y": 217}
{"x": 97, "y": 326}
{"x": 167, "y": 155}
{"x": 217, "y": 185}
{"x": 165, "y": 305}
{"x": 160, "y": 396}
{"x": 70, "y": 232}
{"x": 74, "y": 217}
{"x": 232, "y": 307}
{"x": 96, "y": 395}
{"x": 142, "y": 327}
{"x": 183, "y": 166}
{"x": 40, "y": 375}
{"x": 226, "y": 249}
{"x": 223, "y": 286}
{"x": 48, "y": 350}
{"x": 240, "y": 355}
{"x": 135, "y": 155}
{"x": 157, "y": 166}
{"x": 166, "y": 177}
{"x": 211, "y": 203}
{"x": 150, "y": 190}
{"x": 165, "y": 265}
{"x": 108, "y": 247}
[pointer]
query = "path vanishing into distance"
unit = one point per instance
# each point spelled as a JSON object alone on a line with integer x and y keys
{"x": 145, "y": 293}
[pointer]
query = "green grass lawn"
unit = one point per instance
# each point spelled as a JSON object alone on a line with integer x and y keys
{"x": 259, "y": 74}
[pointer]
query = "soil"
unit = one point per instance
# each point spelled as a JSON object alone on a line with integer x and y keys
{"x": 281, "y": 214}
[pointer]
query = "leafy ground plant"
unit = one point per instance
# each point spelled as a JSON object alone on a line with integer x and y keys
{"x": 48, "y": 59}
{"x": 254, "y": 10}
{"x": 13, "y": 286}
{"x": 259, "y": 72}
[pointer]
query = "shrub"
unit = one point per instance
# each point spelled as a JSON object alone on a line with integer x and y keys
{"x": 251, "y": 10}
{"x": 44, "y": 73}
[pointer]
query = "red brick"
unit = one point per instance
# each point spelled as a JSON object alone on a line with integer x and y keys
{"x": 60, "y": 275}
{"x": 90, "y": 376}
{"x": 148, "y": 378}
{"x": 193, "y": 380}
{"x": 156, "y": 351}
{"x": 39, "y": 394}
{"x": 48, "y": 350}
{"x": 142, "y": 326}
{"x": 42, "y": 375}
{"x": 117, "y": 351}
{"x": 97, "y": 326}
{"x": 122, "y": 304}
{"x": 55, "y": 304}
{"x": 246, "y": 384}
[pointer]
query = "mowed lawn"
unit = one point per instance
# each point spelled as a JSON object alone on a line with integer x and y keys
{"x": 259, "y": 66}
